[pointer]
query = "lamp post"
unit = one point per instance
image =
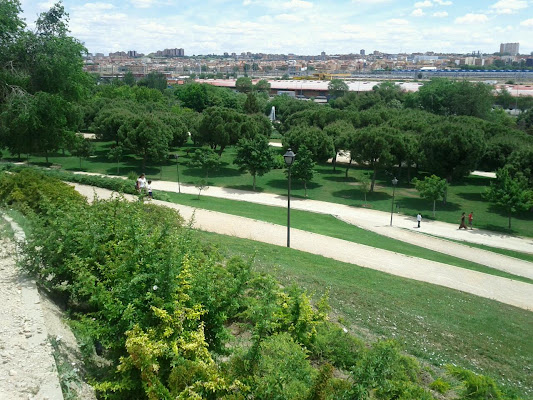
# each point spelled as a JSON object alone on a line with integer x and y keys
{"x": 394, "y": 183}
{"x": 178, "y": 167}
{"x": 289, "y": 159}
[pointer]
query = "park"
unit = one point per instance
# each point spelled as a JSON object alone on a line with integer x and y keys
{"x": 196, "y": 293}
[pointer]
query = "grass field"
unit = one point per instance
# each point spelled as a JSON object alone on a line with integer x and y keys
{"x": 463, "y": 196}
{"x": 329, "y": 226}
{"x": 436, "y": 324}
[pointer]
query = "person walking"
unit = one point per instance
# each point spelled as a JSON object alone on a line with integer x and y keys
{"x": 471, "y": 219}
{"x": 149, "y": 189}
{"x": 418, "y": 219}
{"x": 463, "y": 225}
{"x": 141, "y": 183}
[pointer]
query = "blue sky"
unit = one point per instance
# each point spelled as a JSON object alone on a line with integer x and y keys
{"x": 297, "y": 26}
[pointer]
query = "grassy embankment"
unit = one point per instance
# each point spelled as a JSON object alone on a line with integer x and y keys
{"x": 464, "y": 195}
{"x": 436, "y": 324}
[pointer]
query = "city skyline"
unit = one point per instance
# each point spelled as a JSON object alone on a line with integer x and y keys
{"x": 297, "y": 26}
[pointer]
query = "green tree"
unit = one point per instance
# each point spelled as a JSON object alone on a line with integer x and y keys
{"x": 338, "y": 131}
{"x": 129, "y": 79}
{"x": 205, "y": 158}
{"x": 510, "y": 194}
{"x": 431, "y": 188}
{"x": 115, "y": 154}
{"x": 154, "y": 80}
{"x": 254, "y": 156}
{"x": 146, "y": 136}
{"x": 371, "y": 146}
{"x": 244, "y": 85}
{"x": 337, "y": 87}
{"x": 262, "y": 86}
{"x": 452, "y": 148}
{"x": 220, "y": 127}
{"x": 303, "y": 167}
{"x": 251, "y": 105}
{"x": 81, "y": 147}
{"x": 316, "y": 141}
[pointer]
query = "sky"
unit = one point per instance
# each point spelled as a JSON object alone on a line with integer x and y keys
{"x": 304, "y": 27}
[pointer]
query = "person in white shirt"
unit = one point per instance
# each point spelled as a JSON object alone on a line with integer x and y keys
{"x": 418, "y": 219}
{"x": 149, "y": 189}
{"x": 141, "y": 183}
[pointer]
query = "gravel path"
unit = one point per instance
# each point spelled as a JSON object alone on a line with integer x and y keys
{"x": 507, "y": 291}
{"x": 379, "y": 222}
{"x": 28, "y": 369}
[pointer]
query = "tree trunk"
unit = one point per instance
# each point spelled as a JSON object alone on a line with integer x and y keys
{"x": 409, "y": 172}
{"x": 509, "y": 220}
{"x": 118, "y": 167}
{"x": 347, "y": 168}
{"x": 254, "y": 181}
{"x": 305, "y": 188}
{"x": 46, "y": 156}
{"x": 80, "y": 162}
{"x": 334, "y": 162}
{"x": 373, "y": 180}
{"x": 434, "y": 201}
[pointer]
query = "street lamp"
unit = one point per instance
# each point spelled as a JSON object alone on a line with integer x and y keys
{"x": 178, "y": 167}
{"x": 289, "y": 159}
{"x": 394, "y": 183}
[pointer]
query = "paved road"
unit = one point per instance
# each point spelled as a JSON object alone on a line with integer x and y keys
{"x": 505, "y": 290}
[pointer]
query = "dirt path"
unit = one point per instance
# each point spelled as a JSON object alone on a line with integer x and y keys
{"x": 28, "y": 369}
{"x": 507, "y": 291}
{"x": 404, "y": 227}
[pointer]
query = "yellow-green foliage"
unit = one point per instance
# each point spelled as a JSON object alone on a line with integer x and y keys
{"x": 476, "y": 387}
{"x": 31, "y": 190}
{"x": 439, "y": 385}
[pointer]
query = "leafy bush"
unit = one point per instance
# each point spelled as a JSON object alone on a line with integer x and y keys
{"x": 283, "y": 371}
{"x": 333, "y": 344}
{"x": 439, "y": 385}
{"x": 476, "y": 387}
{"x": 31, "y": 190}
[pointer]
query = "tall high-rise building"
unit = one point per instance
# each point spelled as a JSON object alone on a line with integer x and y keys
{"x": 362, "y": 52}
{"x": 510, "y": 48}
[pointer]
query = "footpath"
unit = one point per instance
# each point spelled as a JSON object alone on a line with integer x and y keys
{"x": 431, "y": 235}
{"x": 28, "y": 369}
{"x": 504, "y": 290}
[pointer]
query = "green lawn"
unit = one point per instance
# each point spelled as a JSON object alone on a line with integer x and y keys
{"x": 463, "y": 196}
{"x": 436, "y": 324}
{"x": 330, "y": 226}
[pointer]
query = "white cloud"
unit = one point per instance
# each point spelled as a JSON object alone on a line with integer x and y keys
{"x": 528, "y": 23}
{"x": 370, "y": 2}
{"x": 425, "y": 3}
{"x": 472, "y": 19}
{"x": 288, "y": 18}
{"x": 246, "y": 2}
{"x": 397, "y": 21}
{"x": 443, "y": 2}
{"x": 508, "y": 6}
{"x": 440, "y": 14}
{"x": 142, "y": 3}
{"x": 418, "y": 13}
{"x": 295, "y": 4}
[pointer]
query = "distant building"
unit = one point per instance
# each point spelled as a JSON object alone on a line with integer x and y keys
{"x": 510, "y": 48}
{"x": 170, "y": 53}
{"x": 362, "y": 52}
{"x": 529, "y": 62}
{"x": 132, "y": 53}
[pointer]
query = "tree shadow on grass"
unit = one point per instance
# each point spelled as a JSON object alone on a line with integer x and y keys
{"x": 247, "y": 188}
{"x": 357, "y": 194}
{"x": 471, "y": 196}
{"x": 423, "y": 205}
{"x": 296, "y": 185}
{"x": 340, "y": 178}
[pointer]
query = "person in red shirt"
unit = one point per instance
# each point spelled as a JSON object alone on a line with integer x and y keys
{"x": 470, "y": 219}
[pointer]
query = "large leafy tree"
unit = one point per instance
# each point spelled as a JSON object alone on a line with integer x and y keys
{"x": 254, "y": 156}
{"x": 244, "y": 85}
{"x": 510, "y": 194}
{"x": 337, "y": 87}
{"x": 446, "y": 97}
{"x": 315, "y": 139}
{"x": 452, "y": 148}
{"x": 205, "y": 158}
{"x": 146, "y": 136}
{"x": 339, "y": 131}
{"x": 220, "y": 127}
{"x": 371, "y": 146}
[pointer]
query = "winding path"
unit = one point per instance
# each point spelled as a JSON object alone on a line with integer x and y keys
{"x": 505, "y": 290}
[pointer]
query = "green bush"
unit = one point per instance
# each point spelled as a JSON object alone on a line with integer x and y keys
{"x": 283, "y": 371}
{"x": 476, "y": 387}
{"x": 30, "y": 189}
{"x": 333, "y": 344}
{"x": 439, "y": 385}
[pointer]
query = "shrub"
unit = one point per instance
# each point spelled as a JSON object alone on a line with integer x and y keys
{"x": 475, "y": 387}
{"x": 283, "y": 371}
{"x": 440, "y": 386}
{"x": 337, "y": 346}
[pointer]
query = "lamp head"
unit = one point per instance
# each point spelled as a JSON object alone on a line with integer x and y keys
{"x": 289, "y": 157}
